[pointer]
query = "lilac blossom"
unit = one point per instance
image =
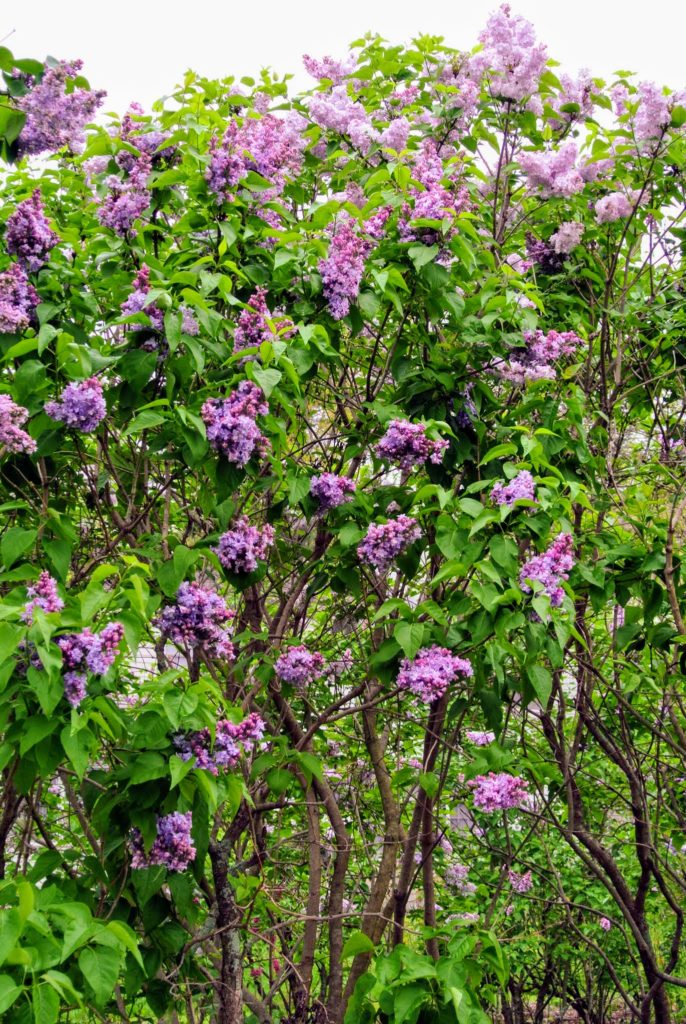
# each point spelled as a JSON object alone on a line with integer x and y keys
{"x": 256, "y": 324}
{"x": 127, "y": 200}
{"x": 241, "y": 548}
{"x": 173, "y": 846}
{"x": 654, "y": 111}
{"x": 42, "y": 594}
{"x": 299, "y": 666}
{"x": 331, "y": 490}
{"x": 613, "y": 207}
{"x": 55, "y": 117}
{"x": 87, "y": 651}
{"x": 138, "y": 302}
{"x": 230, "y": 741}
{"x": 619, "y": 94}
{"x": 12, "y": 437}
{"x": 343, "y": 268}
{"x": 456, "y": 875}
{"x": 18, "y": 300}
{"x": 189, "y": 323}
{"x": 432, "y": 202}
{"x": 550, "y": 568}
{"x": 521, "y": 487}
{"x": 148, "y": 141}
{"x": 520, "y": 883}
{"x": 576, "y": 92}
{"x": 605, "y": 924}
{"x": 498, "y": 792}
{"x": 407, "y": 444}
{"x": 269, "y": 145}
{"x": 197, "y": 621}
{"x": 516, "y": 59}
{"x": 385, "y": 541}
{"x": 429, "y": 674}
{"x": 81, "y": 406}
{"x": 543, "y": 254}
{"x": 567, "y": 237}
{"x": 231, "y": 426}
{"x": 335, "y": 71}
{"x": 480, "y": 739}
{"x": 29, "y": 236}
{"x": 338, "y": 112}
{"x": 555, "y": 172}
{"x": 396, "y": 134}
{"x": 535, "y": 361}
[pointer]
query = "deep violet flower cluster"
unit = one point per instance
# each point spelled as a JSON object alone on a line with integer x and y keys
{"x": 498, "y": 792}
{"x": 550, "y": 568}
{"x": 256, "y": 324}
{"x": 343, "y": 268}
{"x": 126, "y": 200}
{"x": 197, "y": 621}
{"x": 299, "y": 666}
{"x": 29, "y": 236}
{"x": 82, "y": 405}
{"x": 511, "y": 51}
{"x": 230, "y": 741}
{"x": 137, "y": 302}
{"x": 613, "y": 207}
{"x": 555, "y": 173}
{"x": 231, "y": 426}
{"x": 385, "y": 541}
{"x": 42, "y": 594}
{"x": 480, "y": 739}
{"x": 407, "y": 444}
{"x": 173, "y": 846}
{"x": 520, "y": 883}
{"x": 567, "y": 237}
{"x": 269, "y": 145}
{"x": 55, "y": 117}
{"x": 87, "y": 651}
{"x": 520, "y": 487}
{"x": 12, "y": 437}
{"x": 429, "y": 674}
{"x": 18, "y": 300}
{"x": 543, "y": 254}
{"x": 331, "y": 490}
{"x": 535, "y": 362}
{"x": 241, "y": 548}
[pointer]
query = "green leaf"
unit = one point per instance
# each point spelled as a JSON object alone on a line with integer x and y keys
{"x": 10, "y": 929}
{"x": 46, "y": 1004}
{"x": 410, "y": 636}
{"x": 9, "y": 990}
{"x": 267, "y": 379}
{"x": 357, "y": 943}
{"x": 127, "y": 937}
{"x": 144, "y": 421}
{"x": 148, "y": 766}
{"x": 15, "y": 542}
{"x": 542, "y": 682}
{"x": 407, "y": 1003}
{"x": 100, "y": 968}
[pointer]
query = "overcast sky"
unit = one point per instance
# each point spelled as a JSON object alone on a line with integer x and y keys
{"x": 138, "y": 49}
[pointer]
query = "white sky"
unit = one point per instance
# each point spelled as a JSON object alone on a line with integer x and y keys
{"x": 138, "y": 49}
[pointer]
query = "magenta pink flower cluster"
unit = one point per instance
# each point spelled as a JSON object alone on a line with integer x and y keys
{"x": 343, "y": 267}
{"x": 407, "y": 444}
{"x": 478, "y": 738}
{"x": 331, "y": 490}
{"x": 55, "y": 117}
{"x": 299, "y": 666}
{"x": 613, "y": 207}
{"x": 498, "y": 791}
{"x": 567, "y": 237}
{"x": 231, "y": 426}
{"x": 18, "y": 300}
{"x": 241, "y": 548}
{"x": 173, "y": 846}
{"x": 385, "y": 541}
{"x": 197, "y": 621}
{"x": 87, "y": 651}
{"x": 256, "y": 324}
{"x": 268, "y": 145}
{"x": 536, "y": 361}
{"x": 42, "y": 594}
{"x": 511, "y": 50}
{"x": 429, "y": 674}
{"x": 12, "y": 437}
{"x": 555, "y": 173}
{"x": 81, "y": 406}
{"x": 127, "y": 200}
{"x": 230, "y": 741}
{"x": 29, "y": 236}
{"x": 550, "y": 568}
{"x": 137, "y": 302}
{"x": 520, "y": 487}
{"x": 520, "y": 883}
{"x": 605, "y": 924}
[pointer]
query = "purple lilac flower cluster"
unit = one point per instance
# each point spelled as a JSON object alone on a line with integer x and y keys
{"x": 256, "y": 324}
{"x": 498, "y": 792}
{"x": 331, "y": 490}
{"x": 42, "y": 594}
{"x": 150, "y": 142}
{"x": 82, "y": 405}
{"x": 575, "y": 92}
{"x": 343, "y": 267}
{"x": 429, "y": 674}
{"x": 12, "y": 437}
{"x": 127, "y": 200}
{"x": 18, "y": 300}
{"x": 407, "y": 444}
{"x": 431, "y": 202}
{"x": 137, "y": 302}
{"x": 567, "y": 237}
{"x": 230, "y": 741}
{"x": 613, "y": 207}
{"x": 55, "y": 117}
{"x": 231, "y": 426}
{"x": 605, "y": 924}
{"x": 550, "y": 568}
{"x": 240, "y": 548}
{"x": 520, "y": 883}
{"x": 457, "y": 876}
{"x": 87, "y": 651}
{"x": 480, "y": 739}
{"x": 337, "y": 111}
{"x": 543, "y": 254}
{"x": 299, "y": 666}
{"x": 511, "y": 51}
{"x": 520, "y": 487}
{"x": 555, "y": 173}
{"x": 334, "y": 71}
{"x": 385, "y": 541}
{"x": 535, "y": 362}
{"x": 654, "y": 111}
{"x": 173, "y": 846}
{"x": 269, "y": 145}
{"x": 198, "y": 621}
{"x": 29, "y": 236}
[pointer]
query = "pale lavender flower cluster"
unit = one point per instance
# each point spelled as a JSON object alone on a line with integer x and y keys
{"x": 605, "y": 924}
{"x": 127, "y": 200}
{"x": 231, "y": 426}
{"x": 654, "y": 111}
{"x": 520, "y": 883}
{"x": 137, "y": 302}
{"x": 555, "y": 173}
{"x": 338, "y": 112}
{"x": 512, "y": 52}
{"x": 81, "y": 406}
{"x": 197, "y": 621}
{"x": 535, "y": 362}
{"x": 407, "y": 444}
{"x": 520, "y": 487}
{"x": 18, "y": 300}
{"x": 550, "y": 568}
{"x": 343, "y": 268}
{"x": 432, "y": 202}
{"x": 334, "y": 71}
{"x": 331, "y": 490}
{"x": 385, "y": 541}
{"x": 299, "y": 666}
{"x": 429, "y": 674}
{"x": 12, "y": 437}
{"x": 173, "y": 846}
{"x": 576, "y": 92}
{"x": 269, "y": 145}
{"x": 42, "y": 594}
{"x": 230, "y": 741}
{"x": 29, "y": 236}
{"x": 87, "y": 651}
{"x": 613, "y": 207}
{"x": 240, "y": 548}
{"x": 498, "y": 791}
{"x": 457, "y": 876}
{"x": 567, "y": 237}
{"x": 480, "y": 739}
{"x": 256, "y": 324}
{"x": 395, "y": 136}
{"x": 55, "y": 117}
